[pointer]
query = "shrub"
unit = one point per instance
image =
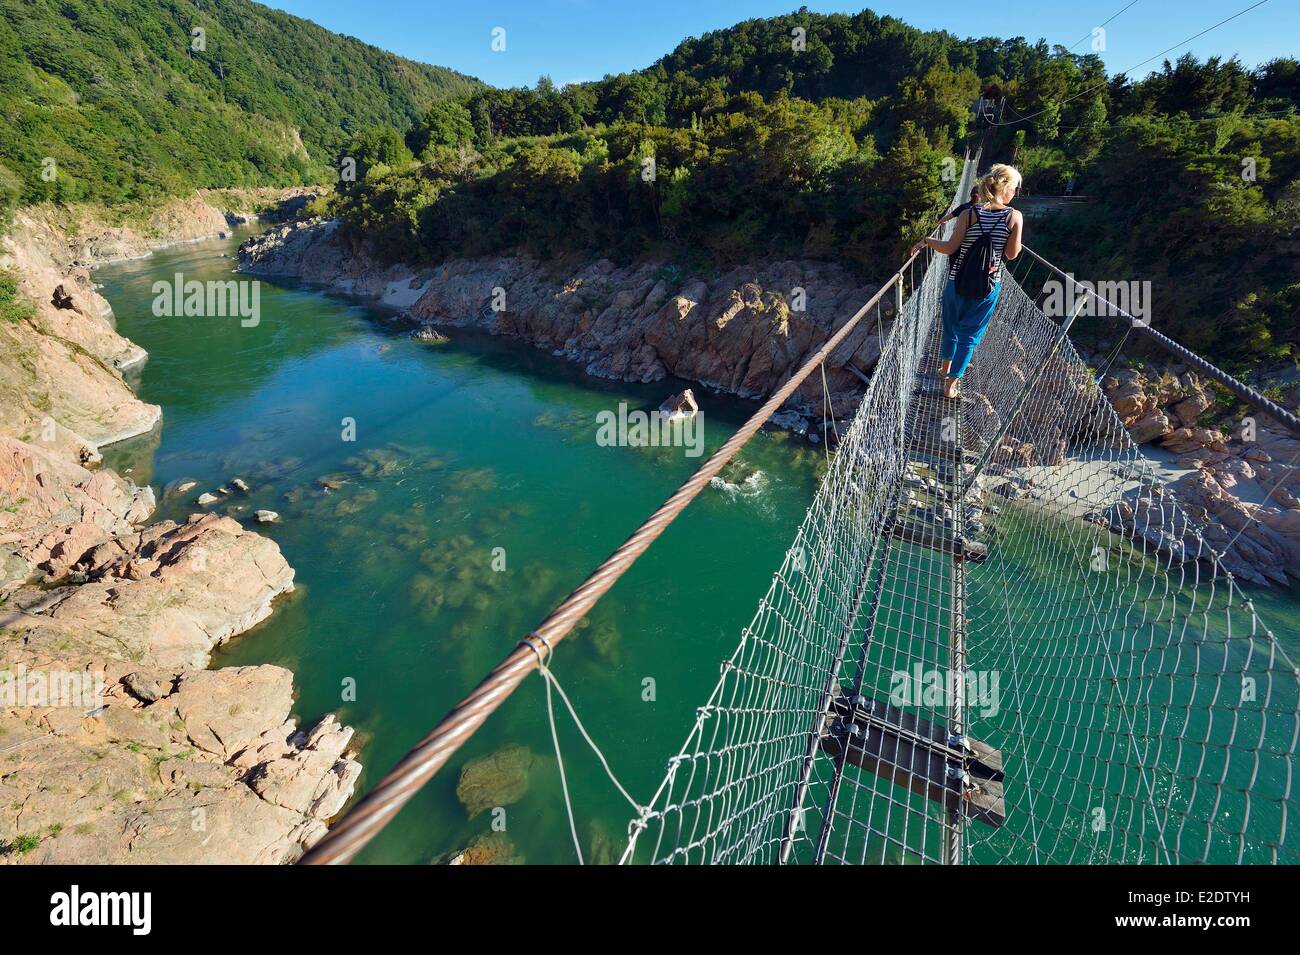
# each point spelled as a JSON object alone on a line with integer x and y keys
{"x": 13, "y": 307}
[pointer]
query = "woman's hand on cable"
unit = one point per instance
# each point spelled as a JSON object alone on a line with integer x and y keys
{"x": 918, "y": 247}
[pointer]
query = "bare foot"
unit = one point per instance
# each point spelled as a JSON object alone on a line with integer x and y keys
{"x": 950, "y": 387}
{"x": 944, "y": 368}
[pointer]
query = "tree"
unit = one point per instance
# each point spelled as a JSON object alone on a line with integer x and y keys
{"x": 938, "y": 103}
{"x": 444, "y": 124}
{"x": 1278, "y": 80}
{"x": 1083, "y": 141}
{"x": 376, "y": 150}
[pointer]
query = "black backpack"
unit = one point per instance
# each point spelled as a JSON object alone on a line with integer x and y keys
{"x": 974, "y": 277}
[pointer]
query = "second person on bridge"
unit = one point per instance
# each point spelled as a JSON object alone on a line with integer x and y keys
{"x": 983, "y": 238}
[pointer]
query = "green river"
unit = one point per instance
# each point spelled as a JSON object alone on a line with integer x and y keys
{"x": 465, "y": 454}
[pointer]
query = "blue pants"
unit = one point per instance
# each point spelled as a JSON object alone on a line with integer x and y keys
{"x": 964, "y": 322}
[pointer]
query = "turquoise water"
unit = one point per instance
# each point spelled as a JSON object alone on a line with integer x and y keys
{"x": 460, "y": 449}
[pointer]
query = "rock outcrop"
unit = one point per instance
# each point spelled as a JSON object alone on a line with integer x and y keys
{"x": 167, "y": 595}
{"x": 172, "y": 762}
{"x": 61, "y": 381}
{"x": 1168, "y": 408}
{"x": 55, "y": 510}
{"x": 203, "y": 766}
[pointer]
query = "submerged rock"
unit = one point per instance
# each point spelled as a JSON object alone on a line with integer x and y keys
{"x": 179, "y": 487}
{"x": 474, "y": 480}
{"x": 603, "y": 636}
{"x": 492, "y": 848}
{"x": 355, "y": 503}
{"x": 602, "y": 848}
{"x": 376, "y": 463}
{"x": 739, "y": 479}
{"x": 498, "y": 779}
{"x": 266, "y": 517}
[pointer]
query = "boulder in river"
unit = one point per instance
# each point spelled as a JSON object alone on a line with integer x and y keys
{"x": 498, "y": 779}
{"x": 429, "y": 334}
{"x": 178, "y": 487}
{"x": 683, "y": 405}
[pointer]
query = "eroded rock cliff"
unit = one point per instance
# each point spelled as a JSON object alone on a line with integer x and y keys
{"x": 742, "y": 332}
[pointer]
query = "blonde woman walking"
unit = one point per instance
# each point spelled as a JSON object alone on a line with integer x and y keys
{"x": 994, "y": 230}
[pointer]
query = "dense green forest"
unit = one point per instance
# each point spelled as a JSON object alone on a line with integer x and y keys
{"x": 834, "y": 137}
{"x": 122, "y": 101}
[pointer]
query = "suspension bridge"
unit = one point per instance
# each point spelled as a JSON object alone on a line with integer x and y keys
{"x": 996, "y": 636}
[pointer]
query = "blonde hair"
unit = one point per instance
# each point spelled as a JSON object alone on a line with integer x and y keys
{"x": 994, "y": 182}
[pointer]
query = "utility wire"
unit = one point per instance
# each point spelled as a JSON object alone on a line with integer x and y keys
{"x": 1095, "y": 87}
{"x": 1104, "y": 23}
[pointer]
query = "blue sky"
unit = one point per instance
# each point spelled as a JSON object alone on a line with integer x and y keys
{"x": 572, "y": 40}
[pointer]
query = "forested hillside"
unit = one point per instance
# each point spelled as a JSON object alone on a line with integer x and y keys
{"x": 831, "y": 136}
{"x": 122, "y": 101}
{"x": 825, "y": 136}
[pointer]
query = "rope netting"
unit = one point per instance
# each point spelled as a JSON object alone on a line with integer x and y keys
{"x": 996, "y": 637}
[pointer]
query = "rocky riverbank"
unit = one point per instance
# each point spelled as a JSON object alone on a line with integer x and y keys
{"x": 1233, "y": 473}
{"x": 741, "y": 332}
{"x": 116, "y": 744}
{"x": 90, "y": 237}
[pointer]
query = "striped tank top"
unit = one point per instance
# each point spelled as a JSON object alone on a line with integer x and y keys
{"x": 997, "y": 222}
